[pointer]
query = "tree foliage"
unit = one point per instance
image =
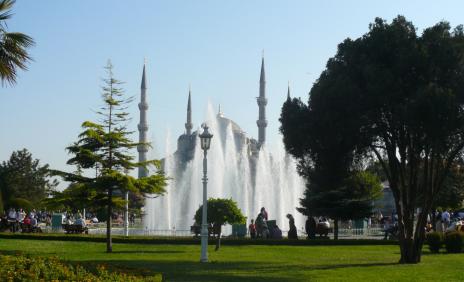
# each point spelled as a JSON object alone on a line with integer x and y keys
{"x": 398, "y": 96}
{"x": 24, "y": 182}
{"x": 221, "y": 212}
{"x": 13, "y": 46}
{"x": 104, "y": 148}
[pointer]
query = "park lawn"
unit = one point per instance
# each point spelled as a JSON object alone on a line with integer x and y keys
{"x": 250, "y": 263}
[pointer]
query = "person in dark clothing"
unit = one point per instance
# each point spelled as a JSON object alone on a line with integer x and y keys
{"x": 310, "y": 227}
{"x": 292, "y": 234}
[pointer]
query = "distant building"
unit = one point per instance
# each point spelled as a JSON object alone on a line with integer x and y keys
{"x": 186, "y": 142}
{"x": 386, "y": 204}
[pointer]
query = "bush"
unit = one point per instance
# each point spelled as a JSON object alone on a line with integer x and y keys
{"x": 24, "y": 268}
{"x": 434, "y": 240}
{"x": 192, "y": 241}
{"x": 454, "y": 241}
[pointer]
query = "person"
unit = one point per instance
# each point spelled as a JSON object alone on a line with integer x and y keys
{"x": 22, "y": 214}
{"x": 18, "y": 216}
{"x": 264, "y": 213}
{"x": 386, "y": 227}
{"x": 292, "y": 233}
{"x": 68, "y": 220}
{"x": 438, "y": 223}
{"x": 11, "y": 214}
{"x": 310, "y": 227}
{"x": 94, "y": 219}
{"x": 33, "y": 221}
{"x": 445, "y": 216}
{"x": 252, "y": 229}
{"x": 27, "y": 220}
{"x": 261, "y": 227}
{"x": 80, "y": 221}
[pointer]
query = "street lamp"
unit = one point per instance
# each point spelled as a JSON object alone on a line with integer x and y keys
{"x": 205, "y": 139}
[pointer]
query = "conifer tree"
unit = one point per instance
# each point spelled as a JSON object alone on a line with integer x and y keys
{"x": 105, "y": 147}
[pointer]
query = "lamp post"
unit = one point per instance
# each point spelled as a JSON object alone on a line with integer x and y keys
{"x": 205, "y": 138}
{"x": 126, "y": 215}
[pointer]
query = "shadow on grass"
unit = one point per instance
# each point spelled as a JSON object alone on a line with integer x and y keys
{"x": 196, "y": 271}
{"x": 146, "y": 252}
{"x": 221, "y": 271}
{"x": 348, "y": 265}
{"x": 11, "y": 252}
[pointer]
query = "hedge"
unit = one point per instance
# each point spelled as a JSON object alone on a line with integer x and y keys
{"x": 454, "y": 242}
{"x": 25, "y": 268}
{"x": 194, "y": 241}
{"x": 435, "y": 241}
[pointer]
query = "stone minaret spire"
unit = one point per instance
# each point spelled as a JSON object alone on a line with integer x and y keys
{"x": 143, "y": 125}
{"x": 262, "y": 102}
{"x": 188, "y": 124}
{"x": 288, "y": 93}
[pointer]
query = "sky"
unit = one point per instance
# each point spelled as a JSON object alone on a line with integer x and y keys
{"x": 214, "y": 46}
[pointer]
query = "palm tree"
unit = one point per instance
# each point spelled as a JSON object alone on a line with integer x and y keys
{"x": 13, "y": 45}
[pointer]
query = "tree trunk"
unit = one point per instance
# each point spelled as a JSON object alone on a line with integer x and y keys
{"x": 109, "y": 243}
{"x": 411, "y": 238}
{"x": 411, "y": 251}
{"x": 218, "y": 242}
{"x": 335, "y": 229}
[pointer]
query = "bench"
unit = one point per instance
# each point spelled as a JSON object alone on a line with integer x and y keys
{"x": 75, "y": 229}
{"x": 27, "y": 228}
{"x": 196, "y": 230}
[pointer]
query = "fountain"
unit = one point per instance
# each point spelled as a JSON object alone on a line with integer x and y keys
{"x": 254, "y": 178}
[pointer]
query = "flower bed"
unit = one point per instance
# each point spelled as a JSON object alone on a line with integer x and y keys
{"x": 25, "y": 268}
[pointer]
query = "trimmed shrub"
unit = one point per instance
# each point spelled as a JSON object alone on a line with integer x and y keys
{"x": 24, "y": 268}
{"x": 194, "y": 241}
{"x": 435, "y": 241}
{"x": 454, "y": 241}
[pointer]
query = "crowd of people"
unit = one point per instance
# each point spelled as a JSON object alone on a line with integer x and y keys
{"x": 442, "y": 221}
{"x": 439, "y": 221}
{"x": 262, "y": 227}
{"x": 19, "y": 220}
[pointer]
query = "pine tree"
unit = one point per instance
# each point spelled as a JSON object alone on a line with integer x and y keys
{"x": 104, "y": 147}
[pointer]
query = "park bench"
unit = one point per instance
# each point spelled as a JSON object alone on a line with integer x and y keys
{"x": 27, "y": 228}
{"x": 196, "y": 230}
{"x": 75, "y": 229}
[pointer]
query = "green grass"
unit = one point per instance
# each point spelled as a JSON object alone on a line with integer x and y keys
{"x": 250, "y": 263}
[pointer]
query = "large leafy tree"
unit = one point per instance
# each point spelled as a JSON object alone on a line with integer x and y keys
{"x": 104, "y": 148}
{"x": 24, "y": 182}
{"x": 13, "y": 46}
{"x": 403, "y": 95}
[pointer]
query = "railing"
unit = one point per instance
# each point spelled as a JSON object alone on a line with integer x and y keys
{"x": 360, "y": 232}
{"x": 143, "y": 232}
{"x": 343, "y": 233}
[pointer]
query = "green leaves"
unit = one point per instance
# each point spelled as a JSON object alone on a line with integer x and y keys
{"x": 23, "y": 181}
{"x": 105, "y": 149}
{"x": 393, "y": 94}
{"x": 13, "y": 47}
{"x": 220, "y": 212}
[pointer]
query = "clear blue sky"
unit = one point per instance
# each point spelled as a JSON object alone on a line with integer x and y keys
{"x": 213, "y": 45}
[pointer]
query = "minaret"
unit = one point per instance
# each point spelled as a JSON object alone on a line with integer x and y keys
{"x": 288, "y": 93}
{"x": 220, "y": 113}
{"x": 188, "y": 124}
{"x": 262, "y": 102}
{"x": 143, "y": 125}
